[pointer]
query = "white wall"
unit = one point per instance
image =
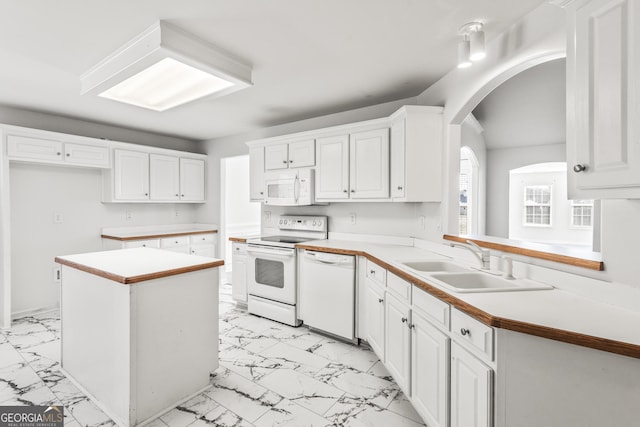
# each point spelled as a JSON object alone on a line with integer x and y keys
{"x": 499, "y": 162}
{"x": 37, "y": 191}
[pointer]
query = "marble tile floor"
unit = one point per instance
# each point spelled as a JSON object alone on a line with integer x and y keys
{"x": 270, "y": 374}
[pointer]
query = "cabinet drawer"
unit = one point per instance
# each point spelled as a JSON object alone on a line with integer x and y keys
{"x": 376, "y": 273}
{"x": 202, "y": 239}
{"x": 151, "y": 243}
{"x": 172, "y": 242}
{"x": 239, "y": 249}
{"x": 399, "y": 287}
{"x": 435, "y": 309}
{"x": 468, "y": 330}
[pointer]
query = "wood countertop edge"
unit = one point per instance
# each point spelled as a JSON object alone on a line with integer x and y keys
{"x": 576, "y": 338}
{"x": 141, "y": 278}
{"x": 157, "y": 236}
{"x": 548, "y": 256}
{"x": 238, "y": 239}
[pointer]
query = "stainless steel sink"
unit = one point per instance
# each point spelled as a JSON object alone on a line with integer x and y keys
{"x": 484, "y": 282}
{"x": 433, "y": 266}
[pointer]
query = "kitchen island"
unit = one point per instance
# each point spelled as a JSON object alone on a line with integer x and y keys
{"x": 139, "y": 328}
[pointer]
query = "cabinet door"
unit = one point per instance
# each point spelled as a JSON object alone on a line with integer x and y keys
{"x": 208, "y": 251}
{"x": 276, "y": 157}
{"x": 302, "y": 154}
{"x": 369, "y": 164}
{"x": 86, "y": 155}
{"x": 23, "y": 147}
{"x": 471, "y": 390}
{"x": 429, "y": 371}
{"x": 256, "y": 174}
{"x": 332, "y": 173}
{"x": 398, "y": 158}
{"x": 398, "y": 342}
{"x": 239, "y": 273}
{"x": 131, "y": 175}
{"x": 604, "y": 100}
{"x": 164, "y": 177}
{"x": 375, "y": 319}
{"x": 192, "y": 180}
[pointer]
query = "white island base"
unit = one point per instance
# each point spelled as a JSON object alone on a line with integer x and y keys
{"x": 139, "y": 329}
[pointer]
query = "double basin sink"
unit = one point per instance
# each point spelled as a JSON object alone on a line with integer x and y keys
{"x": 457, "y": 278}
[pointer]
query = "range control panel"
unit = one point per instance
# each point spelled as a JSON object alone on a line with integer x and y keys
{"x": 303, "y": 223}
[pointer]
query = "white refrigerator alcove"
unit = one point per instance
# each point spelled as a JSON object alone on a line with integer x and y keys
{"x": 139, "y": 329}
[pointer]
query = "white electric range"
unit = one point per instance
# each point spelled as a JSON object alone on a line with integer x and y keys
{"x": 272, "y": 270}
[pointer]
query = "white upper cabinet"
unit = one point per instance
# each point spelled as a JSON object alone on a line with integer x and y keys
{"x": 416, "y": 154}
{"x": 332, "y": 172}
{"x": 47, "y": 147}
{"x": 256, "y": 174}
{"x": 131, "y": 179}
{"x": 164, "y": 177}
{"x": 354, "y": 166}
{"x": 139, "y": 176}
{"x": 192, "y": 179}
{"x": 290, "y": 155}
{"x": 603, "y": 99}
{"x": 369, "y": 164}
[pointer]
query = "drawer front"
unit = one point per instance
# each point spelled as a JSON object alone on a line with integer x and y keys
{"x": 468, "y": 330}
{"x": 376, "y": 273}
{"x": 435, "y": 309}
{"x": 202, "y": 239}
{"x": 239, "y": 248}
{"x": 172, "y": 242}
{"x": 151, "y": 243}
{"x": 399, "y": 287}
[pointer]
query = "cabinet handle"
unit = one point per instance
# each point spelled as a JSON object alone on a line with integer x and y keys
{"x": 412, "y": 325}
{"x": 579, "y": 168}
{"x": 182, "y": 195}
{"x": 404, "y": 320}
{"x": 68, "y": 155}
{"x": 372, "y": 272}
{"x": 353, "y": 191}
{"x": 290, "y": 161}
{"x": 144, "y": 246}
{"x": 58, "y": 153}
{"x": 380, "y": 300}
{"x": 399, "y": 187}
{"x": 261, "y": 193}
{"x": 146, "y": 194}
{"x": 465, "y": 331}
{"x": 284, "y": 161}
{"x": 344, "y": 191}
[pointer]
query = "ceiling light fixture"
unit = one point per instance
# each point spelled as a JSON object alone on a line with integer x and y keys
{"x": 463, "y": 53}
{"x": 473, "y": 34}
{"x": 164, "y": 67}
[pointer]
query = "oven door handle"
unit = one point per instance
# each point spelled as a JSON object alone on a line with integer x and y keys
{"x": 282, "y": 252}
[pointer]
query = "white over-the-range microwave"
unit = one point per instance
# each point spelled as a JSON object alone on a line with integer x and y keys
{"x": 291, "y": 187}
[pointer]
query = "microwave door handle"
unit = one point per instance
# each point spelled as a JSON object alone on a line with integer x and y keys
{"x": 296, "y": 189}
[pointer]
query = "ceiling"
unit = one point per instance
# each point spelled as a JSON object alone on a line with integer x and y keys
{"x": 309, "y": 57}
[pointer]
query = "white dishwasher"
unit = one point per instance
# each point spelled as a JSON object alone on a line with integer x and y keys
{"x": 327, "y": 293}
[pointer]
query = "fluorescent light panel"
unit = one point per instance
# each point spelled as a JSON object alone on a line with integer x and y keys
{"x": 166, "y": 84}
{"x": 164, "y": 67}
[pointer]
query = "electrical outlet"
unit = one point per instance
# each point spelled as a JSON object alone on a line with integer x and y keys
{"x": 422, "y": 221}
{"x": 57, "y": 274}
{"x": 267, "y": 216}
{"x": 177, "y": 212}
{"x": 57, "y": 218}
{"x": 352, "y": 218}
{"x": 128, "y": 215}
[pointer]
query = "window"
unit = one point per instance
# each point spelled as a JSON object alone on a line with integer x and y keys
{"x": 537, "y": 205}
{"x": 582, "y": 213}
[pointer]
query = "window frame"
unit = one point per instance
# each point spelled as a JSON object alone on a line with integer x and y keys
{"x": 572, "y": 224}
{"x": 525, "y": 205}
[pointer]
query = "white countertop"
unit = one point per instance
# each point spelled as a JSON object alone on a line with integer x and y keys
{"x": 149, "y": 231}
{"x": 553, "y": 309}
{"x": 136, "y": 265}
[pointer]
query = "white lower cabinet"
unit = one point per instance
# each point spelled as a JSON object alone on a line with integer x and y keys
{"x": 398, "y": 341}
{"x": 239, "y": 272}
{"x": 375, "y": 310}
{"x": 201, "y": 244}
{"x": 429, "y": 371}
{"x": 471, "y": 390}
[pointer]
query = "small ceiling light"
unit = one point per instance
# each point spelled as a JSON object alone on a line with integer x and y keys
{"x": 463, "y": 54}
{"x": 473, "y": 34}
{"x": 165, "y": 67}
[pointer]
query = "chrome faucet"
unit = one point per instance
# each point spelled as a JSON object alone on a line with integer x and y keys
{"x": 483, "y": 255}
